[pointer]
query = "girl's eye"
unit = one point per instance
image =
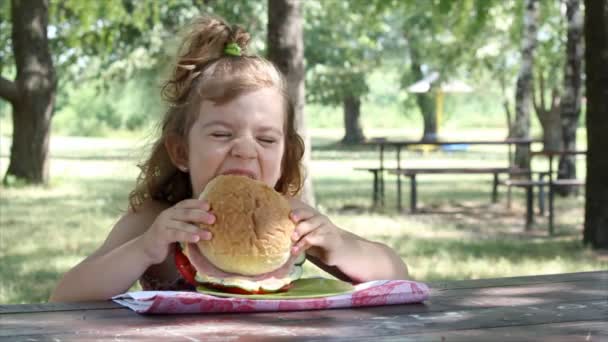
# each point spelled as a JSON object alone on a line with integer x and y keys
{"x": 267, "y": 140}
{"x": 220, "y": 134}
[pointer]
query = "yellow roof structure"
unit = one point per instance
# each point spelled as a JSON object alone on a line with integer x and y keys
{"x": 427, "y": 84}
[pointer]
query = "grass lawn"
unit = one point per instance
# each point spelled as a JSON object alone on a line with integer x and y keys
{"x": 459, "y": 234}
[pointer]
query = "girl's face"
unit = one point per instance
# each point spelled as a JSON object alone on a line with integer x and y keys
{"x": 243, "y": 136}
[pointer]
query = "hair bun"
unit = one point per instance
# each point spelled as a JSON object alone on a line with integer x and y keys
{"x": 203, "y": 43}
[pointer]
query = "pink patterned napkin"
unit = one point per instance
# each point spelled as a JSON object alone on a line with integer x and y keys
{"x": 373, "y": 293}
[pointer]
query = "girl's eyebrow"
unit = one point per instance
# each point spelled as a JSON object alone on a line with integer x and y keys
{"x": 216, "y": 123}
{"x": 227, "y": 124}
{"x": 271, "y": 129}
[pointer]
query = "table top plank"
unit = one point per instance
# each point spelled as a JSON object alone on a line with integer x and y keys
{"x": 353, "y": 322}
{"x": 552, "y": 306}
{"x": 552, "y": 332}
{"x": 43, "y": 307}
{"x": 451, "y": 170}
{"x": 594, "y": 276}
{"x": 519, "y": 295}
{"x": 408, "y": 142}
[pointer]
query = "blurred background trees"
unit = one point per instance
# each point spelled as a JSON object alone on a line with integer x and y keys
{"x": 91, "y": 67}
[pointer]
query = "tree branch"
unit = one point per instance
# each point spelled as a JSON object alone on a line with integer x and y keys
{"x": 8, "y": 90}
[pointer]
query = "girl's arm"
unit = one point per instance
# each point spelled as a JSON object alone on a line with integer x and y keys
{"x": 116, "y": 265}
{"x": 339, "y": 252}
{"x": 359, "y": 260}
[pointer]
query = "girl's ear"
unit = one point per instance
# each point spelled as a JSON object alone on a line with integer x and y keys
{"x": 178, "y": 152}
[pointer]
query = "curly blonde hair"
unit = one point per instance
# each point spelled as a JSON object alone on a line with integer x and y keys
{"x": 202, "y": 71}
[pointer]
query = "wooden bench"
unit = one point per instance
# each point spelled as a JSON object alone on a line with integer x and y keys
{"x": 383, "y": 142}
{"x": 411, "y": 173}
{"x": 378, "y": 184}
{"x": 556, "y": 182}
{"x": 551, "y": 183}
{"x": 528, "y": 185}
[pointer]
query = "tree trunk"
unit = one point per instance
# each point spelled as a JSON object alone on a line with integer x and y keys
{"x": 549, "y": 117}
{"x": 596, "y": 59}
{"x": 523, "y": 90}
{"x": 552, "y": 134}
{"x": 286, "y": 50}
{"x": 571, "y": 101}
{"x": 425, "y": 101}
{"x": 506, "y": 105}
{"x": 353, "y": 133}
{"x": 32, "y": 94}
{"x": 426, "y": 104}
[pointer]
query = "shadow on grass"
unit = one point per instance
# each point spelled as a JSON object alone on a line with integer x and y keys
{"x": 47, "y": 230}
{"x": 103, "y": 195}
{"x": 513, "y": 250}
{"x": 31, "y": 277}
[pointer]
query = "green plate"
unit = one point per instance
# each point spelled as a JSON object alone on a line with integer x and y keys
{"x": 302, "y": 288}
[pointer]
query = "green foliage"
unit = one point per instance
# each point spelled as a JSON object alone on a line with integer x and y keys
{"x": 91, "y": 110}
{"x": 332, "y": 86}
{"x": 110, "y": 56}
{"x": 551, "y": 47}
{"x": 344, "y": 43}
{"x": 116, "y": 38}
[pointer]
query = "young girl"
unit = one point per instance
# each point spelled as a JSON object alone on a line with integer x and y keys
{"x": 229, "y": 113}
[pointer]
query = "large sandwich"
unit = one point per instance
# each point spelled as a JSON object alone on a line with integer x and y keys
{"x": 250, "y": 252}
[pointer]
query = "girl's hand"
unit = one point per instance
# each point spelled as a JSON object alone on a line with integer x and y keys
{"x": 178, "y": 223}
{"x": 315, "y": 233}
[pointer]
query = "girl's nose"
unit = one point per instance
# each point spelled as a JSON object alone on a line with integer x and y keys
{"x": 244, "y": 147}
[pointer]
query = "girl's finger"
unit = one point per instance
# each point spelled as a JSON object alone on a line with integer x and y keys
{"x": 300, "y": 247}
{"x": 182, "y": 236}
{"x": 174, "y": 235}
{"x": 314, "y": 238}
{"x": 305, "y": 227}
{"x": 300, "y": 214}
{"x": 192, "y": 215}
{"x": 182, "y": 226}
{"x": 193, "y": 203}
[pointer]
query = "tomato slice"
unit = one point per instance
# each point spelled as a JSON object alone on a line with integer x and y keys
{"x": 184, "y": 266}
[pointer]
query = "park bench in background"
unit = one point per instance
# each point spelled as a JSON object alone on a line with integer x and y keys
{"x": 528, "y": 184}
{"x": 411, "y": 172}
{"x": 546, "y": 179}
{"x": 377, "y": 185}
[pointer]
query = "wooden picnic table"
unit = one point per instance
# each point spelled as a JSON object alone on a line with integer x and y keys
{"x": 560, "y": 307}
{"x": 398, "y": 144}
{"x": 551, "y": 183}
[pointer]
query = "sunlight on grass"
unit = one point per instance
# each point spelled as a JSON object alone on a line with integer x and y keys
{"x": 458, "y": 235}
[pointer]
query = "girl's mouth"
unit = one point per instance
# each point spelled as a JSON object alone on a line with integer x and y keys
{"x": 240, "y": 172}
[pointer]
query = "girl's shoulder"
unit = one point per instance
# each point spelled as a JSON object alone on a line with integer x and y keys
{"x": 148, "y": 207}
{"x": 130, "y": 225}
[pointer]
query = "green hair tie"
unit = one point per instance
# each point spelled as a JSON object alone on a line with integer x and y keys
{"x": 232, "y": 49}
